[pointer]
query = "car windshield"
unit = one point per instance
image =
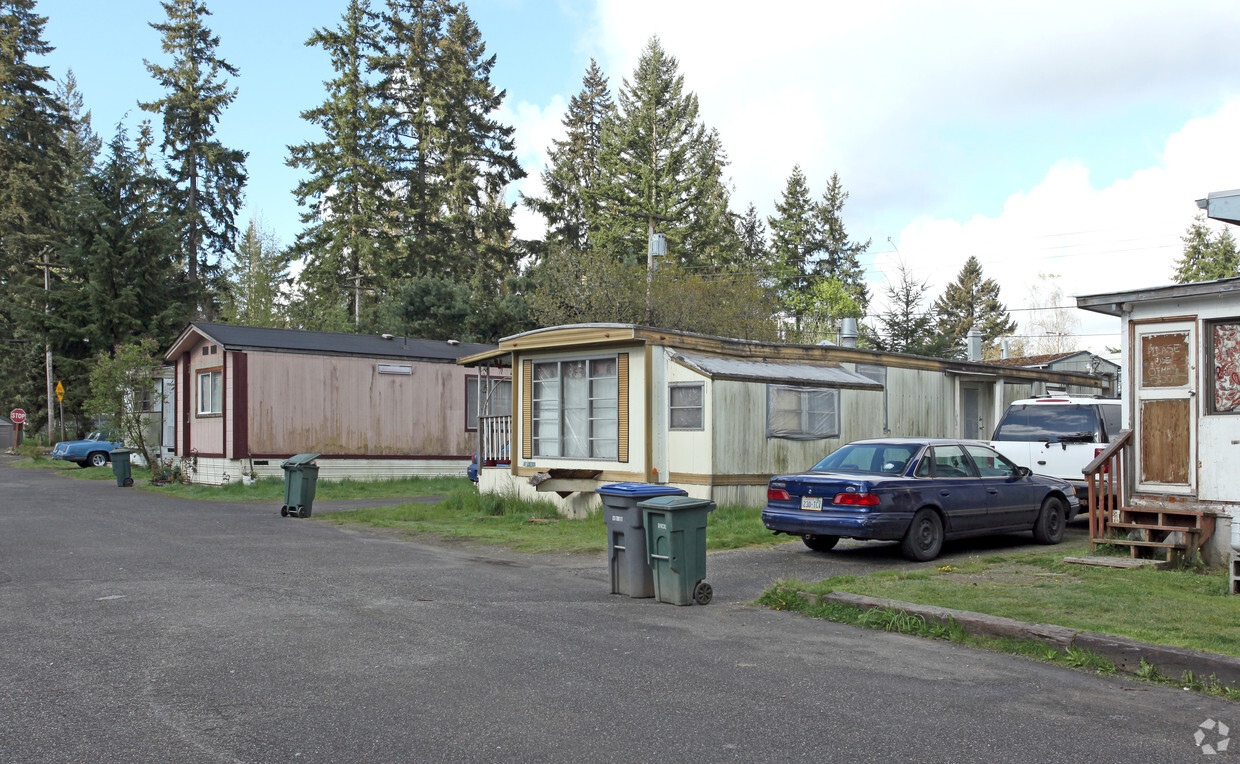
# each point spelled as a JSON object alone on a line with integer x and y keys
{"x": 876, "y": 458}
{"x": 1040, "y": 421}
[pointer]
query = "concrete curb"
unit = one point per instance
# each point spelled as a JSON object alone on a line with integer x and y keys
{"x": 1125, "y": 653}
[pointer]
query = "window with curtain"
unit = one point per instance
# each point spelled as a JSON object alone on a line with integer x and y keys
{"x": 575, "y": 408}
{"x": 211, "y": 392}
{"x": 802, "y": 413}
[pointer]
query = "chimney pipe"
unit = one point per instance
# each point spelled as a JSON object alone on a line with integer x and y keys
{"x": 975, "y": 344}
{"x": 848, "y": 333}
{"x": 1005, "y": 352}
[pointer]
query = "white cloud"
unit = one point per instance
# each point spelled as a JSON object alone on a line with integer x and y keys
{"x": 535, "y": 128}
{"x": 1123, "y": 236}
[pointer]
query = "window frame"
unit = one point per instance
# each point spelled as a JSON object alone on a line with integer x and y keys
{"x": 590, "y": 438}
{"x": 700, "y": 407}
{"x": 1211, "y": 371}
{"x": 474, "y": 382}
{"x": 805, "y": 393}
{"x": 199, "y": 374}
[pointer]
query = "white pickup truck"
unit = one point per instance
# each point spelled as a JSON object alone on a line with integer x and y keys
{"x": 1057, "y": 436}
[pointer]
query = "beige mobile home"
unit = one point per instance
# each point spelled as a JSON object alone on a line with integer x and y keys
{"x": 247, "y": 398}
{"x": 602, "y": 403}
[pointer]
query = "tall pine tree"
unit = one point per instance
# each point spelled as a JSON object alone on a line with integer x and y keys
{"x": 907, "y": 326}
{"x": 793, "y": 240}
{"x": 207, "y": 178}
{"x": 570, "y": 181}
{"x": 969, "y": 301}
{"x": 257, "y": 273}
{"x": 652, "y": 161}
{"x": 838, "y": 255}
{"x": 33, "y": 176}
{"x": 349, "y": 234}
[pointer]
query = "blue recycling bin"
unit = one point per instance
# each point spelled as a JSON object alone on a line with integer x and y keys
{"x": 626, "y": 536}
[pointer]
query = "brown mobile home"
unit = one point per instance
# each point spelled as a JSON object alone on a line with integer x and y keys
{"x": 249, "y": 397}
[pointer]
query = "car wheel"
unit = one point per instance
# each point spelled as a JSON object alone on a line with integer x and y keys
{"x": 820, "y": 543}
{"x": 97, "y": 459}
{"x": 924, "y": 538}
{"x": 1049, "y": 528}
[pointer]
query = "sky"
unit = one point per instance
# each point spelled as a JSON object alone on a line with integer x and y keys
{"x": 1061, "y": 139}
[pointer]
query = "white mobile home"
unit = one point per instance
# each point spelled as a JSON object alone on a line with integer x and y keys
{"x": 602, "y": 403}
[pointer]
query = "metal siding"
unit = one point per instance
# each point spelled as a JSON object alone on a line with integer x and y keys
{"x": 341, "y": 405}
{"x": 206, "y": 434}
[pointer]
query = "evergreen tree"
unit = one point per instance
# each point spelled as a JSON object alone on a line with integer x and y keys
{"x": 792, "y": 239}
{"x": 652, "y": 161}
{"x": 1206, "y": 256}
{"x": 348, "y": 193}
{"x": 571, "y": 178}
{"x": 33, "y": 177}
{"x": 207, "y": 178}
{"x": 972, "y": 301}
{"x": 754, "y": 254}
{"x": 81, "y": 142}
{"x": 907, "y": 326}
{"x": 839, "y": 255}
{"x": 134, "y": 288}
{"x": 257, "y": 273}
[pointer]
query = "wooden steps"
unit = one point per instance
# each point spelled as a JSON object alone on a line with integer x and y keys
{"x": 1151, "y": 530}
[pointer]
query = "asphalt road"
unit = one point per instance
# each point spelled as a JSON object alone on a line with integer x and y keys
{"x": 134, "y": 628}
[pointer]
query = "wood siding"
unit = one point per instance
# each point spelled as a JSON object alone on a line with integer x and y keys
{"x": 335, "y": 405}
{"x": 206, "y": 433}
{"x": 527, "y": 409}
{"x": 622, "y": 407}
{"x": 1165, "y": 440}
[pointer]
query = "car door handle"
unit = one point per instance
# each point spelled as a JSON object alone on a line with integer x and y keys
{"x": 992, "y": 490}
{"x": 945, "y": 493}
{"x": 1042, "y": 463}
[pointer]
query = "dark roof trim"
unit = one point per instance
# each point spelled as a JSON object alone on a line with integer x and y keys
{"x": 262, "y": 339}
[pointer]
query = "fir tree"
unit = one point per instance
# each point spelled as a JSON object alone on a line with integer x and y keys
{"x": 571, "y": 178}
{"x": 972, "y": 301}
{"x": 257, "y": 273}
{"x": 207, "y": 178}
{"x": 651, "y": 159}
{"x": 754, "y": 253}
{"x": 348, "y": 193}
{"x": 838, "y": 254}
{"x": 33, "y": 176}
{"x": 906, "y": 326}
{"x": 792, "y": 239}
{"x": 1206, "y": 256}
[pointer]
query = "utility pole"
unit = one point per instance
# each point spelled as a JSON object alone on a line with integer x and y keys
{"x": 47, "y": 266}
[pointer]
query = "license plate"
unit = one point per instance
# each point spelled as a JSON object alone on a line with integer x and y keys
{"x": 811, "y": 502}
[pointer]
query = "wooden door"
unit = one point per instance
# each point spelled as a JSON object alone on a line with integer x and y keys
{"x": 1165, "y": 411}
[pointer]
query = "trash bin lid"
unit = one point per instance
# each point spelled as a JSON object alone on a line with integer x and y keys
{"x": 676, "y": 503}
{"x": 121, "y": 451}
{"x": 639, "y": 490}
{"x": 299, "y": 459}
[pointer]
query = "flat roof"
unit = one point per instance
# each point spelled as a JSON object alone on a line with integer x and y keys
{"x": 1112, "y": 303}
{"x": 237, "y": 337}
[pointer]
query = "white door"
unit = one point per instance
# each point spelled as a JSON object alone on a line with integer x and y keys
{"x": 1165, "y": 407}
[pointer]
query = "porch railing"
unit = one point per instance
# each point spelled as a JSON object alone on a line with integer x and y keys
{"x": 496, "y": 435}
{"x": 1108, "y": 480}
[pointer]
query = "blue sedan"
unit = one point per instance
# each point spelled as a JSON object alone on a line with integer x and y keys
{"x": 918, "y": 491}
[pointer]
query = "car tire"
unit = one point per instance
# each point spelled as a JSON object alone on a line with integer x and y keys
{"x": 1049, "y": 527}
{"x": 924, "y": 538}
{"x": 819, "y": 543}
{"x": 97, "y": 459}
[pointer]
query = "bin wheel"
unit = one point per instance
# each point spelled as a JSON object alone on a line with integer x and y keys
{"x": 702, "y": 593}
{"x": 128, "y": 482}
{"x": 284, "y": 511}
{"x": 303, "y": 511}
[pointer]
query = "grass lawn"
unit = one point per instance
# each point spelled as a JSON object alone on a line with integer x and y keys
{"x": 266, "y": 489}
{"x": 1185, "y": 608}
{"x": 535, "y": 526}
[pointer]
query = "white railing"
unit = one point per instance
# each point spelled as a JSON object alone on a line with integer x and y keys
{"x": 496, "y": 433}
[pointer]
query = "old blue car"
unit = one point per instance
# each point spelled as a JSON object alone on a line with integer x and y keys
{"x": 918, "y": 491}
{"x": 94, "y": 451}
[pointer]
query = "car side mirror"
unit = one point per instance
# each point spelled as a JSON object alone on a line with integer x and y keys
{"x": 1024, "y": 471}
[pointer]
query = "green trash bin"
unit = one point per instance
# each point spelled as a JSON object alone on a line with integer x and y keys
{"x": 676, "y": 546}
{"x": 301, "y": 474}
{"x": 121, "y": 467}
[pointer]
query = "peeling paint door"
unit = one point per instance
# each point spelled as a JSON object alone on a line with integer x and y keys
{"x": 1166, "y": 412}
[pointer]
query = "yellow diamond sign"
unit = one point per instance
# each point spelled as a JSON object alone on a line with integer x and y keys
{"x": 60, "y": 392}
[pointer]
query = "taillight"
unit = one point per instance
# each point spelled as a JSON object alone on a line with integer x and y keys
{"x": 777, "y": 494}
{"x": 1105, "y": 466}
{"x": 856, "y": 499}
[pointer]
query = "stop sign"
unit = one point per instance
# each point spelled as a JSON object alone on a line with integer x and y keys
{"x": 17, "y": 416}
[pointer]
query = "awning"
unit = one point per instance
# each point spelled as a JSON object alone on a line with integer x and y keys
{"x": 785, "y": 373}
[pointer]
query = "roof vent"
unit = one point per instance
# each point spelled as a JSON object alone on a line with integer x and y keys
{"x": 454, "y": 342}
{"x": 388, "y": 336}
